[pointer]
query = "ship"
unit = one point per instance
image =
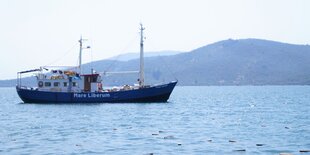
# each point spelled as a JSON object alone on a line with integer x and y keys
{"x": 70, "y": 85}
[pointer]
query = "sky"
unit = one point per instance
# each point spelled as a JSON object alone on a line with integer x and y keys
{"x": 38, "y": 33}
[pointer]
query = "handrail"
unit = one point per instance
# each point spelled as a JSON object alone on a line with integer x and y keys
{"x": 28, "y": 71}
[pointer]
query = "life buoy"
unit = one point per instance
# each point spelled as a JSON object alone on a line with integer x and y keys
{"x": 40, "y": 84}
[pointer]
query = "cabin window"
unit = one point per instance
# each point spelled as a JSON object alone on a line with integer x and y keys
{"x": 47, "y": 84}
{"x": 65, "y": 84}
{"x": 94, "y": 79}
{"x": 56, "y": 84}
{"x": 74, "y": 84}
{"x": 40, "y": 84}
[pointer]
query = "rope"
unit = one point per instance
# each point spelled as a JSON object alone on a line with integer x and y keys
{"x": 61, "y": 57}
{"x": 91, "y": 56}
{"x": 117, "y": 57}
{"x": 166, "y": 65}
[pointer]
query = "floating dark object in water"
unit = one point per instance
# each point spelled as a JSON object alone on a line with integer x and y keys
{"x": 154, "y": 134}
{"x": 179, "y": 144}
{"x": 241, "y": 150}
{"x": 259, "y": 144}
{"x": 169, "y": 137}
{"x": 114, "y": 129}
{"x": 286, "y": 127}
{"x": 209, "y": 140}
{"x": 160, "y": 131}
{"x": 232, "y": 141}
{"x": 304, "y": 150}
{"x": 78, "y": 145}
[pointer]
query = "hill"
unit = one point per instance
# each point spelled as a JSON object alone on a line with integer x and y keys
{"x": 228, "y": 62}
{"x": 136, "y": 55}
{"x": 246, "y": 62}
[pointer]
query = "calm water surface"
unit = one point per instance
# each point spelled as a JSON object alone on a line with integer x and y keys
{"x": 196, "y": 120}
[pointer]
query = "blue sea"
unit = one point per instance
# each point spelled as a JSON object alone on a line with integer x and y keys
{"x": 196, "y": 120}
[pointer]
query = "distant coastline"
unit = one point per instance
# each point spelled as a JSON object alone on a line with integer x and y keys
{"x": 225, "y": 63}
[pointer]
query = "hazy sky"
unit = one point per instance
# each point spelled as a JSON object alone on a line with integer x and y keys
{"x": 45, "y": 32}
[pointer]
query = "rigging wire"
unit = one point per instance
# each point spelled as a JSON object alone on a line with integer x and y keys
{"x": 122, "y": 51}
{"x": 61, "y": 57}
{"x": 168, "y": 67}
{"x": 91, "y": 56}
{"x": 165, "y": 63}
{"x": 91, "y": 42}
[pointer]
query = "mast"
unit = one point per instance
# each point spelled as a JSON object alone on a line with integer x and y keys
{"x": 141, "y": 79}
{"x": 80, "y": 55}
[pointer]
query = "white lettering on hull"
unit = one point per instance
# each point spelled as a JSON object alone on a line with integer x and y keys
{"x": 90, "y": 95}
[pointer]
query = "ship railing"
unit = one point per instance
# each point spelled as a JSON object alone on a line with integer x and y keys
{"x": 41, "y": 69}
{"x": 19, "y": 75}
{"x": 163, "y": 83}
{"x": 27, "y": 88}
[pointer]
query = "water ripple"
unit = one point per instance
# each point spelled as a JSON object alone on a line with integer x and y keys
{"x": 197, "y": 120}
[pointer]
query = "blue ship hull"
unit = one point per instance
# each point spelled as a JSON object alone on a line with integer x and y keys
{"x": 158, "y": 93}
